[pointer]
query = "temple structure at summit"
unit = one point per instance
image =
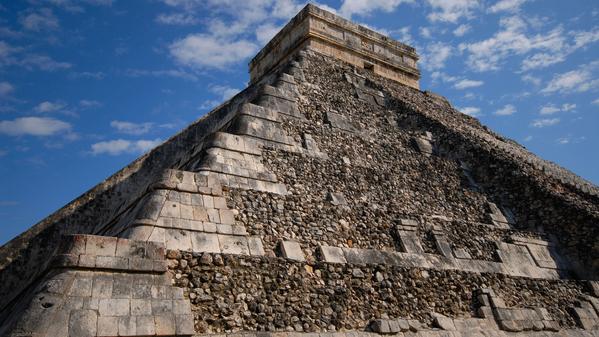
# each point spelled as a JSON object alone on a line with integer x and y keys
{"x": 330, "y": 198}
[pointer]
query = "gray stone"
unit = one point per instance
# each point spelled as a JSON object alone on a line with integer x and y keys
{"x": 231, "y": 244}
{"x": 108, "y": 326}
{"x": 291, "y": 250}
{"x": 332, "y": 254}
{"x": 205, "y": 242}
{"x": 443, "y": 322}
{"x": 184, "y": 325}
{"x": 102, "y": 287}
{"x": 165, "y": 325}
{"x": 380, "y": 326}
{"x": 113, "y": 307}
{"x": 255, "y": 246}
{"x": 82, "y": 287}
{"x": 127, "y": 326}
{"x": 83, "y": 323}
{"x": 141, "y": 307}
{"x": 145, "y": 326}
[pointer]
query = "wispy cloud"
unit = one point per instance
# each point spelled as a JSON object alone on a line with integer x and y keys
{"x": 205, "y": 51}
{"x": 88, "y": 104}
{"x": 39, "y": 20}
{"x": 551, "y": 109}
{"x": 16, "y": 56}
{"x": 435, "y": 55}
{"x": 452, "y": 10}
{"x": 466, "y": 83}
{"x": 47, "y": 106}
{"x": 507, "y": 110}
{"x": 131, "y": 128}
{"x": 365, "y": 8}
{"x": 461, "y": 30}
{"x": 34, "y": 126}
{"x": 6, "y": 89}
{"x": 544, "y": 122}
{"x": 175, "y": 73}
{"x": 178, "y": 19}
{"x": 579, "y": 80}
{"x": 507, "y": 6}
{"x": 471, "y": 111}
{"x": 121, "y": 146}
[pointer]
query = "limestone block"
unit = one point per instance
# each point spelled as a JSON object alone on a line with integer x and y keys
{"x": 112, "y": 262}
{"x": 145, "y": 326}
{"x": 178, "y": 239}
{"x": 224, "y": 229}
{"x": 423, "y": 145}
{"x": 184, "y": 325}
{"x": 87, "y": 261}
{"x": 82, "y": 287}
{"x": 380, "y": 326}
{"x": 100, "y": 245}
{"x": 291, "y": 250}
{"x": 113, "y": 307}
{"x": 227, "y": 216}
{"x": 231, "y": 244}
{"x": 443, "y": 322}
{"x": 160, "y": 307}
{"x": 255, "y": 246}
{"x": 108, "y": 326}
{"x": 83, "y": 323}
{"x": 209, "y": 227}
{"x": 73, "y": 244}
{"x": 186, "y": 212}
{"x": 127, "y": 326}
{"x": 461, "y": 253}
{"x": 141, "y": 307}
{"x": 171, "y": 209}
{"x": 102, "y": 286}
{"x": 165, "y": 325}
{"x": 337, "y": 199}
{"x": 121, "y": 286}
{"x": 332, "y": 254}
{"x": 158, "y": 235}
{"x": 205, "y": 242}
{"x": 339, "y": 121}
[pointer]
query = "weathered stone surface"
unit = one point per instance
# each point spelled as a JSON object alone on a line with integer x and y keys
{"x": 291, "y": 250}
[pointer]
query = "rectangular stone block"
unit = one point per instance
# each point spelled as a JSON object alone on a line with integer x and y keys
{"x": 332, "y": 254}
{"x": 213, "y": 215}
{"x": 184, "y": 325}
{"x": 102, "y": 287}
{"x": 227, "y": 216}
{"x": 73, "y": 244}
{"x": 165, "y": 325}
{"x": 171, "y": 210}
{"x": 208, "y": 201}
{"x": 220, "y": 203}
{"x": 291, "y": 250}
{"x": 140, "y": 264}
{"x": 127, "y": 326}
{"x": 255, "y": 246}
{"x": 178, "y": 239}
{"x": 112, "y": 262}
{"x": 82, "y": 287}
{"x": 158, "y": 235}
{"x": 230, "y": 244}
{"x": 113, "y": 307}
{"x": 145, "y": 326}
{"x": 108, "y": 326}
{"x": 100, "y": 245}
{"x": 160, "y": 307}
{"x": 141, "y": 307}
{"x": 140, "y": 291}
{"x": 205, "y": 242}
{"x": 181, "y": 307}
{"x": 83, "y": 323}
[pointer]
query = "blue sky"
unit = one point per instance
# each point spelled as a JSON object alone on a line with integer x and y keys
{"x": 87, "y": 86}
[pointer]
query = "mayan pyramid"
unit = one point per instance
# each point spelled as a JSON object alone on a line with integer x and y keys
{"x": 330, "y": 198}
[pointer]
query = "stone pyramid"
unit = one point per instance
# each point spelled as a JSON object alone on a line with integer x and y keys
{"x": 330, "y": 198}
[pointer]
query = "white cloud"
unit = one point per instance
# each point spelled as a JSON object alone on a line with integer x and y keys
{"x": 583, "y": 38}
{"x": 471, "y": 111}
{"x": 531, "y": 79}
{"x": 131, "y": 128}
{"x": 204, "y": 51}
{"x": 266, "y": 32}
{"x": 403, "y": 35}
{"x": 461, "y": 30}
{"x": 513, "y": 39}
{"x": 87, "y": 74}
{"x": 179, "y": 19}
{"x": 507, "y": 110}
{"x": 366, "y": 7}
{"x": 466, "y": 83}
{"x": 46, "y": 106}
{"x": 528, "y": 138}
{"x": 162, "y": 73}
{"x": 435, "y": 55}
{"x": 451, "y": 10}
{"x": 6, "y": 88}
{"x": 507, "y": 6}
{"x": 579, "y": 80}
{"x": 595, "y": 102}
{"x": 549, "y": 109}
{"x": 87, "y": 104}
{"x": 425, "y": 32}
{"x": 34, "y": 126}
{"x": 43, "y": 62}
{"x": 42, "y": 19}
{"x": 544, "y": 122}
{"x": 568, "y": 107}
{"x": 225, "y": 92}
{"x": 120, "y": 146}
